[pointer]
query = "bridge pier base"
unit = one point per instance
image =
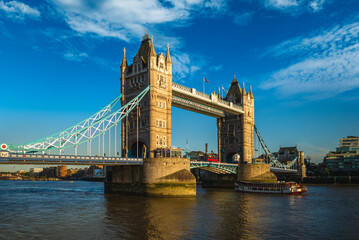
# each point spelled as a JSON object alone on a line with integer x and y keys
{"x": 255, "y": 173}
{"x": 160, "y": 177}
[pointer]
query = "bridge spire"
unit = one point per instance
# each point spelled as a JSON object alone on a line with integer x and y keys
{"x": 168, "y": 57}
{"x": 124, "y": 60}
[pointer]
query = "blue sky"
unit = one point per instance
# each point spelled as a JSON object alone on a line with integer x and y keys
{"x": 59, "y": 63}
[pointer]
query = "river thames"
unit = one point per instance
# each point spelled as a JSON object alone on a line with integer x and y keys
{"x": 80, "y": 210}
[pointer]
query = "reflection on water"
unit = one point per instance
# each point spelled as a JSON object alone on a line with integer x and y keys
{"x": 80, "y": 210}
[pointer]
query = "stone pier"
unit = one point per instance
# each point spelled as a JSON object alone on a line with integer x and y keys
{"x": 161, "y": 177}
{"x": 255, "y": 173}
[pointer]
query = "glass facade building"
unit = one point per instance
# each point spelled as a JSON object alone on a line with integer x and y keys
{"x": 345, "y": 160}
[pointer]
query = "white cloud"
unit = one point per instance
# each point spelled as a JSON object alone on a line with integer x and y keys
{"x": 126, "y": 18}
{"x": 243, "y": 18}
{"x": 328, "y": 65}
{"x": 295, "y": 6}
{"x": 18, "y": 10}
{"x": 77, "y": 57}
{"x": 183, "y": 66}
{"x": 316, "y": 5}
{"x": 281, "y": 3}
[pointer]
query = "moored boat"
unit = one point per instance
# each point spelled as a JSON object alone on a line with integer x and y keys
{"x": 278, "y": 187}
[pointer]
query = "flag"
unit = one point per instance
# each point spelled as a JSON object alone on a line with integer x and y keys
{"x": 205, "y": 80}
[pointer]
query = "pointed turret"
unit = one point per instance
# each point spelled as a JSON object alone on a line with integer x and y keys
{"x": 168, "y": 57}
{"x": 146, "y": 49}
{"x": 251, "y": 93}
{"x": 243, "y": 90}
{"x": 234, "y": 93}
{"x": 124, "y": 60}
{"x": 152, "y": 49}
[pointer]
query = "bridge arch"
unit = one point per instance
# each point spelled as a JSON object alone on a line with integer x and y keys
{"x": 142, "y": 149}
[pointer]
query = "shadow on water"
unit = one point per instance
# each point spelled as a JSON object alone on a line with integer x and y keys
{"x": 218, "y": 214}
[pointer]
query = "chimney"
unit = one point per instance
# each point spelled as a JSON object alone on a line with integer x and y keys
{"x": 206, "y": 148}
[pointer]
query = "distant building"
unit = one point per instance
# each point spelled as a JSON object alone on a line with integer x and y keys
{"x": 61, "y": 171}
{"x": 286, "y": 155}
{"x": 196, "y": 155}
{"x": 71, "y": 171}
{"x": 35, "y": 171}
{"x": 345, "y": 160}
{"x": 95, "y": 170}
{"x": 49, "y": 172}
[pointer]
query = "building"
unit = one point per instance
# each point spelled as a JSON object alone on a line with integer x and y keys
{"x": 49, "y": 172}
{"x": 149, "y": 127}
{"x": 35, "y": 171}
{"x": 95, "y": 170}
{"x": 236, "y": 132}
{"x": 349, "y": 144}
{"x": 61, "y": 171}
{"x": 286, "y": 155}
{"x": 154, "y": 115}
{"x": 345, "y": 160}
{"x": 71, "y": 171}
{"x": 196, "y": 155}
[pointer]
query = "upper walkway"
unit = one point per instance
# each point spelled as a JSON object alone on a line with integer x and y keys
{"x": 193, "y": 100}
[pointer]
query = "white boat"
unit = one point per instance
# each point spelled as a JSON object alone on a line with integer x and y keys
{"x": 278, "y": 187}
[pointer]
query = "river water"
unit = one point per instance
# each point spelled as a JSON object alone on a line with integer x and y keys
{"x": 80, "y": 210}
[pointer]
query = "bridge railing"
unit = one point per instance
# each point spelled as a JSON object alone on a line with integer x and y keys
{"x": 69, "y": 157}
{"x": 201, "y": 94}
{"x": 181, "y": 87}
{"x": 223, "y": 102}
{"x": 192, "y": 91}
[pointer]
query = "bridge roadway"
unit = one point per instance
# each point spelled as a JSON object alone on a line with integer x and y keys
{"x": 44, "y": 159}
{"x": 193, "y": 100}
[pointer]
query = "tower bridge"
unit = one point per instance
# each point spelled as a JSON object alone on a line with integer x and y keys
{"x": 234, "y": 113}
{"x": 147, "y": 97}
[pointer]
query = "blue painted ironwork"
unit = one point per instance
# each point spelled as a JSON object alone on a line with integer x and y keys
{"x": 83, "y": 132}
{"x": 221, "y": 168}
{"x": 274, "y": 162}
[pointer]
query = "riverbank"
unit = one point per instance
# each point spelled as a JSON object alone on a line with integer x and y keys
{"x": 331, "y": 180}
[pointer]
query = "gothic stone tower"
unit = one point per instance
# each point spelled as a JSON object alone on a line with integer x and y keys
{"x": 235, "y": 132}
{"x": 154, "y": 121}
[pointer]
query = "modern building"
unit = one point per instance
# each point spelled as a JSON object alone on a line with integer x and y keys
{"x": 35, "y": 171}
{"x": 345, "y": 160}
{"x": 71, "y": 171}
{"x": 61, "y": 171}
{"x": 49, "y": 172}
{"x": 95, "y": 170}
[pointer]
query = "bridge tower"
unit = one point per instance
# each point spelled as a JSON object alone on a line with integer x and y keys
{"x": 154, "y": 118}
{"x": 236, "y": 132}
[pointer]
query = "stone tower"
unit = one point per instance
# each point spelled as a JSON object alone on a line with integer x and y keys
{"x": 235, "y": 132}
{"x": 154, "y": 118}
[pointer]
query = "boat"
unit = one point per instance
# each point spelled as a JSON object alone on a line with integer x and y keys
{"x": 278, "y": 187}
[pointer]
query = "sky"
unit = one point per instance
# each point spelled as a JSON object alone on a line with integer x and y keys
{"x": 60, "y": 63}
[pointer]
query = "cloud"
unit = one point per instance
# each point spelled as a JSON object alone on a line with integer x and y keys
{"x": 18, "y": 10}
{"x": 127, "y": 18}
{"x": 281, "y": 4}
{"x": 316, "y": 5}
{"x": 243, "y": 18}
{"x": 183, "y": 66}
{"x": 295, "y": 6}
{"x": 328, "y": 64}
{"x": 76, "y": 57}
